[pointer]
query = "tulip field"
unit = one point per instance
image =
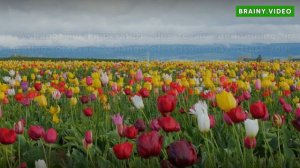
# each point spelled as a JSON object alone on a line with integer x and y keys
{"x": 149, "y": 114}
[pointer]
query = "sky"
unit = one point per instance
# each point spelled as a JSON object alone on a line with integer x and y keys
{"x": 80, "y": 23}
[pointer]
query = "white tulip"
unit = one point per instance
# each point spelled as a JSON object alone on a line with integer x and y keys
{"x": 137, "y": 101}
{"x": 264, "y": 75}
{"x": 200, "y": 109}
{"x": 197, "y": 81}
{"x": 6, "y": 79}
{"x": 251, "y": 127}
{"x": 104, "y": 78}
{"x": 12, "y": 73}
{"x": 56, "y": 95}
{"x": 40, "y": 164}
{"x": 11, "y": 92}
{"x": 12, "y": 82}
{"x": 167, "y": 77}
{"x": 18, "y": 78}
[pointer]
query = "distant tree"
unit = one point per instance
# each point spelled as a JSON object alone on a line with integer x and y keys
{"x": 259, "y": 58}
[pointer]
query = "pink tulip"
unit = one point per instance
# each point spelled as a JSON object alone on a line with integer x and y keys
{"x": 89, "y": 80}
{"x": 257, "y": 84}
{"x": 139, "y": 75}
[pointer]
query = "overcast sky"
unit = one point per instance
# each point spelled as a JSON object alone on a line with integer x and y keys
{"x": 76, "y": 23}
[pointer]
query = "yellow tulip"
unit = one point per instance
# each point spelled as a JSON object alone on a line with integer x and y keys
{"x": 2, "y": 95}
{"x": 148, "y": 85}
{"x": 73, "y": 101}
{"x": 32, "y": 76}
{"x": 103, "y": 98}
{"x": 226, "y": 101}
{"x": 296, "y": 100}
{"x": 54, "y": 110}
{"x": 55, "y": 119}
{"x": 41, "y": 100}
{"x": 76, "y": 90}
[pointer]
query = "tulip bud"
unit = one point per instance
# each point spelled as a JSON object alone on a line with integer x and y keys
{"x": 297, "y": 113}
{"x": 278, "y": 120}
{"x": 250, "y": 142}
{"x": 88, "y": 137}
{"x": 19, "y": 127}
{"x": 140, "y": 125}
{"x": 212, "y": 121}
{"x": 154, "y": 125}
{"x": 281, "y": 101}
{"x": 88, "y": 111}
{"x": 23, "y": 165}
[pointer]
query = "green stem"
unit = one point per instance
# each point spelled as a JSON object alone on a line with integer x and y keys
{"x": 44, "y": 152}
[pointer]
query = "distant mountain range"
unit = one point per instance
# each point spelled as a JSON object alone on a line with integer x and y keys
{"x": 164, "y": 52}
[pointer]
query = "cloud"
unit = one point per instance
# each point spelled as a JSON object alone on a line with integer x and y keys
{"x": 76, "y": 23}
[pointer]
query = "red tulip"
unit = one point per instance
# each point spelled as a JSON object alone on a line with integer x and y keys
{"x": 240, "y": 99}
{"x": 127, "y": 91}
{"x": 84, "y": 99}
{"x": 144, "y": 92}
{"x": 182, "y": 153}
{"x": 166, "y": 164}
{"x": 296, "y": 123}
{"x": 38, "y": 86}
{"x": 19, "y": 97}
{"x": 258, "y": 110}
{"x": 297, "y": 112}
{"x": 149, "y": 144}
{"x": 88, "y": 137}
{"x": 212, "y": 121}
{"x": 246, "y": 95}
{"x": 123, "y": 150}
{"x": 227, "y": 119}
{"x": 169, "y": 124}
{"x": 23, "y": 165}
{"x": 35, "y": 132}
{"x": 50, "y": 136}
{"x": 250, "y": 142}
{"x": 69, "y": 93}
{"x": 181, "y": 110}
{"x": 131, "y": 132}
{"x": 166, "y": 104}
{"x": 287, "y": 108}
{"x": 88, "y": 111}
{"x": 281, "y": 100}
{"x": 237, "y": 114}
{"x": 164, "y": 88}
{"x": 7, "y": 136}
